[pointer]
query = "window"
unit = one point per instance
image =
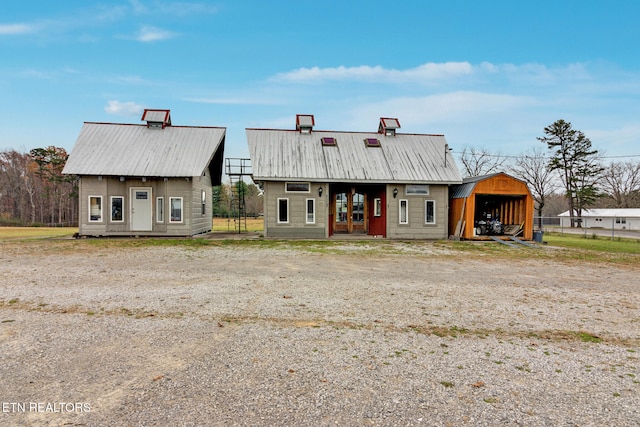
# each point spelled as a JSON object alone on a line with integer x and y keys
{"x": 203, "y": 198}
{"x": 302, "y": 187}
{"x": 159, "y": 209}
{"x": 621, "y": 220}
{"x": 175, "y": 206}
{"x": 404, "y": 211}
{"x": 283, "y": 211}
{"x": 429, "y": 211}
{"x": 372, "y": 142}
{"x": 329, "y": 141}
{"x": 117, "y": 205}
{"x": 422, "y": 190}
{"x": 95, "y": 208}
{"x": 311, "y": 211}
{"x": 377, "y": 207}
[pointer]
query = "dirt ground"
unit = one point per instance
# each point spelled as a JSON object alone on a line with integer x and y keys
{"x": 382, "y": 334}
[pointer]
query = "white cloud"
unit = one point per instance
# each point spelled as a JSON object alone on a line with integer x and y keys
{"x": 123, "y": 108}
{"x": 151, "y": 34}
{"x": 172, "y": 8}
{"x": 442, "y": 108}
{"x": 622, "y": 139}
{"x": 15, "y": 29}
{"x": 446, "y": 72}
{"x": 424, "y": 72}
{"x": 232, "y": 101}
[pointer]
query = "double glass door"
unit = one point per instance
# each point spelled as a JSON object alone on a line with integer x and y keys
{"x": 350, "y": 212}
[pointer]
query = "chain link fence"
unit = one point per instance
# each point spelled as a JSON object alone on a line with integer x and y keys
{"x": 612, "y": 227}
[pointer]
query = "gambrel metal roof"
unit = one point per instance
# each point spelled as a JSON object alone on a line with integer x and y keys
{"x": 403, "y": 158}
{"x": 138, "y": 150}
{"x": 469, "y": 184}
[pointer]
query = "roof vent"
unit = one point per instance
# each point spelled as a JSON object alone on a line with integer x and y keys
{"x": 304, "y": 123}
{"x": 157, "y": 118}
{"x": 388, "y": 126}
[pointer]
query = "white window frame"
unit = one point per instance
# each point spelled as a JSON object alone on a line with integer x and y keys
{"x": 287, "y": 190}
{"x": 282, "y": 199}
{"x": 416, "y": 189}
{"x": 100, "y": 217}
{"x": 426, "y": 209}
{"x": 121, "y": 207}
{"x": 406, "y": 208}
{"x": 377, "y": 206}
{"x": 181, "y": 200}
{"x": 311, "y": 220}
{"x": 203, "y": 198}
{"x": 160, "y": 210}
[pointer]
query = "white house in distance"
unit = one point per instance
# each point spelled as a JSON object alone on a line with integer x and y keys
{"x": 320, "y": 183}
{"x": 618, "y": 219}
{"x": 151, "y": 179}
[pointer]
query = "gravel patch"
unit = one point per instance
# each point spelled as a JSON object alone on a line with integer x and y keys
{"x": 233, "y": 335}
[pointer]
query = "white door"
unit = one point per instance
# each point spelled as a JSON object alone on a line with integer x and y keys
{"x": 141, "y": 209}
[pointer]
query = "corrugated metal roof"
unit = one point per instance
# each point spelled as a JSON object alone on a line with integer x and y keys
{"x": 404, "y": 158}
{"x": 462, "y": 191}
{"x": 136, "y": 150}
{"x": 465, "y": 189}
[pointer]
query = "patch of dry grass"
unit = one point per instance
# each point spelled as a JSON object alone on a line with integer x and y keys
{"x": 231, "y": 224}
{"x": 16, "y": 233}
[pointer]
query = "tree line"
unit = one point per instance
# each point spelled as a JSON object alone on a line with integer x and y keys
{"x": 33, "y": 190}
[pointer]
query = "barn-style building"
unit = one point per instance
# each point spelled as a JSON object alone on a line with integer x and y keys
{"x": 320, "y": 183}
{"x": 479, "y": 201}
{"x": 151, "y": 179}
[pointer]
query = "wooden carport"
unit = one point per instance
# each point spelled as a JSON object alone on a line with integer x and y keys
{"x": 495, "y": 196}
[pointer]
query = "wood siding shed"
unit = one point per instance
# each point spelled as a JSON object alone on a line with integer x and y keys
{"x": 498, "y": 195}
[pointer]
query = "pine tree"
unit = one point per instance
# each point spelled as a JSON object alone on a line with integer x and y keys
{"x": 577, "y": 163}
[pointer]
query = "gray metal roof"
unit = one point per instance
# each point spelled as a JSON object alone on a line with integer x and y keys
{"x": 137, "y": 150}
{"x": 462, "y": 191}
{"x": 404, "y": 158}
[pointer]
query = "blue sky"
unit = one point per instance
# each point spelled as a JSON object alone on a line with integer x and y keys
{"x": 487, "y": 74}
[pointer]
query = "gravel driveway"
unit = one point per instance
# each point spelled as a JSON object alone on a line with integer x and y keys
{"x": 249, "y": 334}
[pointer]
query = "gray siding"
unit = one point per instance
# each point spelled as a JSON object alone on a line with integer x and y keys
{"x": 194, "y": 222}
{"x": 202, "y": 222}
{"x": 416, "y": 227}
{"x": 297, "y": 226}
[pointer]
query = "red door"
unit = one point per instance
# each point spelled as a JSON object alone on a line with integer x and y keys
{"x": 378, "y": 214}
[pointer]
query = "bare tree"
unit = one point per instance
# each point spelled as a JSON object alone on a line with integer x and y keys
{"x": 479, "y": 161}
{"x": 533, "y": 168}
{"x": 621, "y": 183}
{"x": 32, "y": 186}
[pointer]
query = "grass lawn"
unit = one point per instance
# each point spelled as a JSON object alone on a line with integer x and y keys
{"x": 594, "y": 243}
{"x": 36, "y": 232}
